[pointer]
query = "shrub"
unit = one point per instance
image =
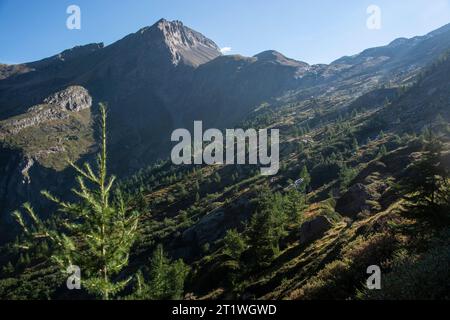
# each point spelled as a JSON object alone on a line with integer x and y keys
{"x": 415, "y": 278}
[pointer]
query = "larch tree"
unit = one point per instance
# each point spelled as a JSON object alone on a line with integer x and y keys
{"x": 95, "y": 233}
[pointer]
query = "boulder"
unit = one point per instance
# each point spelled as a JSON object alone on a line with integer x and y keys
{"x": 207, "y": 230}
{"x": 314, "y": 229}
{"x": 353, "y": 201}
{"x": 360, "y": 197}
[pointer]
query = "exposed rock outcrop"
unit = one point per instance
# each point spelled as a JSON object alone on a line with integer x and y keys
{"x": 314, "y": 229}
{"x": 7, "y": 71}
{"x": 56, "y": 106}
{"x": 187, "y": 45}
{"x": 361, "y": 197}
{"x": 73, "y": 98}
{"x": 354, "y": 200}
{"x": 208, "y": 229}
{"x": 21, "y": 180}
{"x": 28, "y": 163}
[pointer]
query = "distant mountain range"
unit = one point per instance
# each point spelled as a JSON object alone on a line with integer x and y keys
{"x": 158, "y": 79}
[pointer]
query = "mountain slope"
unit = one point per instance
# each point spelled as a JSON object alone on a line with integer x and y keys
{"x": 354, "y": 125}
{"x": 166, "y": 76}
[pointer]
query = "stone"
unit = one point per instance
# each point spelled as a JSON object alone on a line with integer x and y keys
{"x": 54, "y": 107}
{"x": 314, "y": 229}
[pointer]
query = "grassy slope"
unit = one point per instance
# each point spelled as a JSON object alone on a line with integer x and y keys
{"x": 55, "y": 141}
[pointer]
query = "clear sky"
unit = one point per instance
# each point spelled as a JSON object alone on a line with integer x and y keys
{"x": 315, "y": 31}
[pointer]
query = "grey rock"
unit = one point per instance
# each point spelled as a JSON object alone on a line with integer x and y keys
{"x": 314, "y": 229}
{"x": 27, "y": 164}
{"x": 207, "y": 230}
{"x": 54, "y": 107}
{"x": 353, "y": 201}
{"x": 74, "y": 98}
{"x": 187, "y": 45}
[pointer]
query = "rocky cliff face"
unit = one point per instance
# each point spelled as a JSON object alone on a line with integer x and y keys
{"x": 21, "y": 180}
{"x": 36, "y": 145}
{"x": 186, "y": 45}
{"x": 55, "y": 107}
{"x": 73, "y": 98}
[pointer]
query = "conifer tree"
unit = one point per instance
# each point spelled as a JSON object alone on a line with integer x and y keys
{"x": 305, "y": 176}
{"x": 96, "y": 233}
{"x": 266, "y": 228}
{"x": 295, "y": 203}
{"x": 166, "y": 278}
{"x": 234, "y": 244}
{"x": 355, "y": 144}
{"x": 383, "y": 151}
{"x": 426, "y": 187}
{"x": 8, "y": 269}
{"x": 158, "y": 272}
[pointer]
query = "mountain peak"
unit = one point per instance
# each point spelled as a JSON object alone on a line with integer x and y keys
{"x": 277, "y": 57}
{"x": 165, "y": 22}
{"x": 185, "y": 44}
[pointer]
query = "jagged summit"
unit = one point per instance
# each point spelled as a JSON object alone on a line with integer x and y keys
{"x": 185, "y": 44}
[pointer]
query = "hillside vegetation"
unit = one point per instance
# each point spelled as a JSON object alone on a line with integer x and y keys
{"x": 374, "y": 191}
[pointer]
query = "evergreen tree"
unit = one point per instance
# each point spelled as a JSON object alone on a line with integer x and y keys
{"x": 426, "y": 186}
{"x": 346, "y": 175}
{"x": 8, "y": 269}
{"x": 267, "y": 227}
{"x": 21, "y": 261}
{"x": 141, "y": 288}
{"x": 295, "y": 204}
{"x": 383, "y": 151}
{"x": 166, "y": 279}
{"x": 206, "y": 248}
{"x": 355, "y": 145}
{"x": 182, "y": 191}
{"x": 397, "y": 140}
{"x": 96, "y": 233}
{"x": 158, "y": 273}
{"x": 305, "y": 176}
{"x": 217, "y": 178}
{"x": 196, "y": 186}
{"x": 234, "y": 244}
{"x": 141, "y": 202}
{"x": 177, "y": 274}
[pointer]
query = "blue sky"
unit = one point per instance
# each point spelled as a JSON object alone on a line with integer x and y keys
{"x": 315, "y": 31}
